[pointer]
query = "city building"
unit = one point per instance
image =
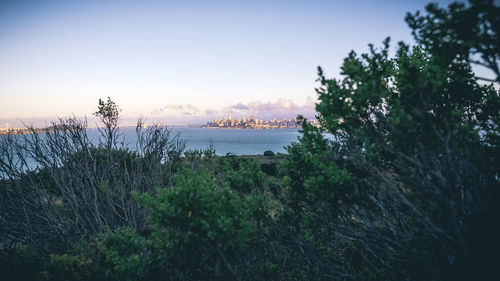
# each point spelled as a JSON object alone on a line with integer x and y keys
{"x": 254, "y": 123}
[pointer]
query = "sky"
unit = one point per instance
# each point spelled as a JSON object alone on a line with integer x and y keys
{"x": 181, "y": 61}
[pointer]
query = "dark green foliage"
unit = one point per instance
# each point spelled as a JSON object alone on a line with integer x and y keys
{"x": 123, "y": 255}
{"x": 316, "y": 178}
{"x": 465, "y": 32}
{"x": 197, "y": 229}
{"x": 196, "y": 221}
{"x": 204, "y": 158}
{"x": 69, "y": 267}
{"x": 469, "y": 34}
{"x": 268, "y": 153}
{"x": 108, "y": 112}
{"x": 270, "y": 169}
{"x": 193, "y": 156}
{"x": 242, "y": 175}
{"x": 412, "y": 168}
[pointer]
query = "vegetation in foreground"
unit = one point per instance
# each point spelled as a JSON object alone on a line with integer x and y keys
{"x": 408, "y": 189}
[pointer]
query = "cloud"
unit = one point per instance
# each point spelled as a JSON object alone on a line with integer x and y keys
{"x": 310, "y": 102}
{"x": 169, "y": 108}
{"x": 286, "y": 104}
{"x": 239, "y": 106}
{"x": 281, "y": 108}
{"x": 257, "y": 105}
{"x": 173, "y": 106}
{"x": 210, "y": 111}
{"x": 279, "y": 105}
{"x": 156, "y": 111}
{"x": 193, "y": 108}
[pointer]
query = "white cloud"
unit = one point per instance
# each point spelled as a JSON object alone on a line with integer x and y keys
{"x": 173, "y": 106}
{"x": 263, "y": 110}
{"x": 193, "y": 108}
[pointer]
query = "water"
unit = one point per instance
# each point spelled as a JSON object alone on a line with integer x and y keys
{"x": 236, "y": 141}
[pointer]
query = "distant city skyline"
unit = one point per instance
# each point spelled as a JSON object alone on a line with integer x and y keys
{"x": 181, "y": 60}
{"x": 255, "y": 123}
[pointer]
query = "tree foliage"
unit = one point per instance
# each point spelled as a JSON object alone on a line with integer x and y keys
{"x": 461, "y": 32}
{"x": 415, "y": 138}
{"x": 109, "y": 114}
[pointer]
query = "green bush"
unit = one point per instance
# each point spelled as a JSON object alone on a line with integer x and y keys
{"x": 197, "y": 215}
{"x": 69, "y": 267}
{"x": 270, "y": 169}
{"x": 242, "y": 175}
{"x": 268, "y": 153}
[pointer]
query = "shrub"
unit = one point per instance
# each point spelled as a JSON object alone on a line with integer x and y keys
{"x": 198, "y": 225}
{"x": 242, "y": 175}
{"x": 59, "y": 185}
{"x": 268, "y": 153}
{"x": 269, "y": 168}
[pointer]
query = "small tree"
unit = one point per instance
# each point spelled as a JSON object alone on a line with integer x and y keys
{"x": 108, "y": 112}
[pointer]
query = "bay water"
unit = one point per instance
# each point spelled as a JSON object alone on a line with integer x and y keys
{"x": 235, "y": 141}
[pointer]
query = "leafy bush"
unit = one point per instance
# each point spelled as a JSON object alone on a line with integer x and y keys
{"x": 242, "y": 175}
{"x": 268, "y": 153}
{"x": 270, "y": 169}
{"x": 198, "y": 224}
{"x": 69, "y": 267}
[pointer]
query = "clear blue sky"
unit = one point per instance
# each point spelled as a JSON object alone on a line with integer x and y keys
{"x": 174, "y": 60}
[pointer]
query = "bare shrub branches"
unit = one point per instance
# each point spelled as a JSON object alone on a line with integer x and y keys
{"x": 59, "y": 184}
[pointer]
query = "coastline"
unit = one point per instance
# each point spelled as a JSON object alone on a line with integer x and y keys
{"x": 249, "y": 128}
{"x": 25, "y": 131}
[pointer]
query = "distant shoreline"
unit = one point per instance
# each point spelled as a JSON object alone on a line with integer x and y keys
{"x": 25, "y": 131}
{"x": 249, "y": 128}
